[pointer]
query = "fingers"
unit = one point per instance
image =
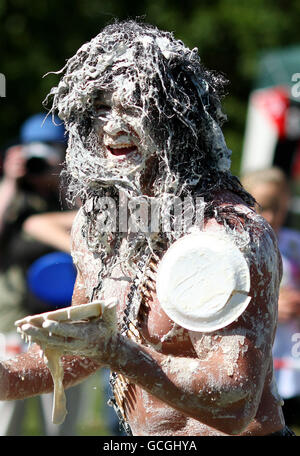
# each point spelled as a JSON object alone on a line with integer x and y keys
{"x": 111, "y": 303}
{"x": 89, "y": 339}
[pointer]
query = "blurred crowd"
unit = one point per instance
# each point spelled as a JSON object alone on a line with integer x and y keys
{"x": 35, "y": 226}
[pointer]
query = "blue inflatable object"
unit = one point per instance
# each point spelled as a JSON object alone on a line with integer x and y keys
{"x": 52, "y": 278}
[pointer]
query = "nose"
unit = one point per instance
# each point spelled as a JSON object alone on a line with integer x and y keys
{"x": 114, "y": 126}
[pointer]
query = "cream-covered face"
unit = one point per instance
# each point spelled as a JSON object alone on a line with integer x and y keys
{"x": 119, "y": 129}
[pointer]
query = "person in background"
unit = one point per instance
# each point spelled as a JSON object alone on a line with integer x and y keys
{"x": 271, "y": 190}
{"x": 29, "y": 185}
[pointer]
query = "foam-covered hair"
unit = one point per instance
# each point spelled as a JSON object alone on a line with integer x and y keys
{"x": 177, "y": 100}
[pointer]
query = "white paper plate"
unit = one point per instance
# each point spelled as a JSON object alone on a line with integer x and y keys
{"x": 203, "y": 281}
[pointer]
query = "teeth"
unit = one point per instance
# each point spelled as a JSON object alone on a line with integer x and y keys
{"x": 151, "y": 275}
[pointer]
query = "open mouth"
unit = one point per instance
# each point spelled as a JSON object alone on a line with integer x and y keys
{"x": 120, "y": 151}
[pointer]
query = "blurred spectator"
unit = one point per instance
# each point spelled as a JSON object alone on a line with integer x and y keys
{"x": 54, "y": 229}
{"x": 29, "y": 185}
{"x": 271, "y": 190}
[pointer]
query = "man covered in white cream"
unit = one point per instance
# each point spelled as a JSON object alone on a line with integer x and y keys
{"x": 189, "y": 342}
